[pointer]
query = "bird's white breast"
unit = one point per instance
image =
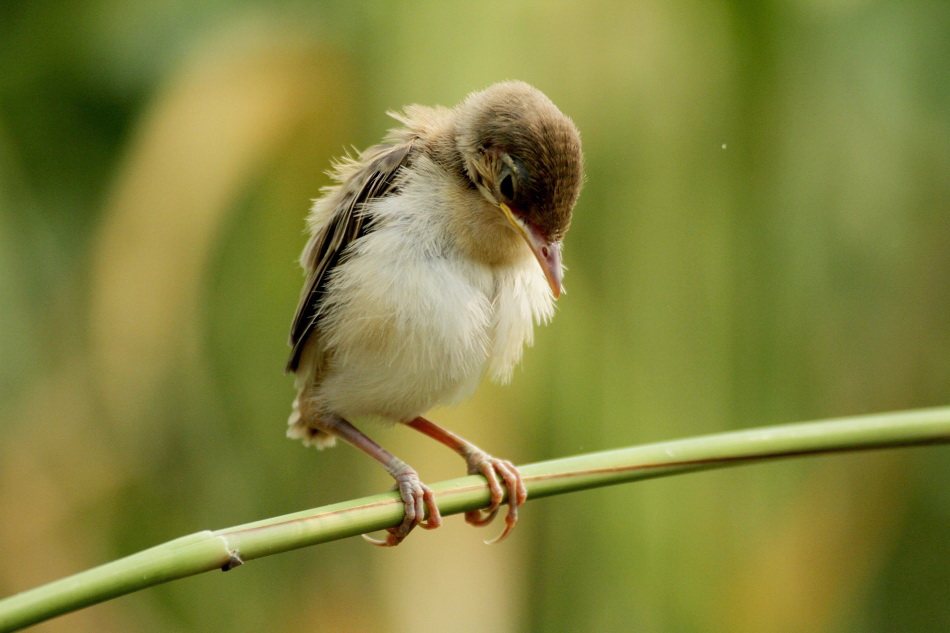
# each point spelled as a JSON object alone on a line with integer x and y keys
{"x": 409, "y": 322}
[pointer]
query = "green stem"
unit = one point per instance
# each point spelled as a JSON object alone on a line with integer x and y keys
{"x": 227, "y": 548}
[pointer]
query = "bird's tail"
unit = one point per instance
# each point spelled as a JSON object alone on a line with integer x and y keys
{"x": 298, "y": 429}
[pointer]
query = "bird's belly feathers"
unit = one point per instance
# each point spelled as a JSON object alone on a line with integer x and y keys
{"x": 404, "y": 329}
{"x": 409, "y": 322}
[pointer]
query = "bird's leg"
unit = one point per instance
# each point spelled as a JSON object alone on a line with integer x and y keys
{"x": 481, "y": 463}
{"x": 415, "y": 495}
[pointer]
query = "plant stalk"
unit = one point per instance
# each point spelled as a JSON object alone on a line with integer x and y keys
{"x": 230, "y": 547}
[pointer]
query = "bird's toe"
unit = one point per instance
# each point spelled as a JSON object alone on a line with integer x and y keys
{"x": 492, "y": 468}
{"x": 417, "y": 498}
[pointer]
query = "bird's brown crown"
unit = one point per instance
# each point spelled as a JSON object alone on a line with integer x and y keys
{"x": 520, "y": 150}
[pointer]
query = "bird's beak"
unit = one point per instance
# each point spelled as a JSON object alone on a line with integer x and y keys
{"x": 547, "y": 252}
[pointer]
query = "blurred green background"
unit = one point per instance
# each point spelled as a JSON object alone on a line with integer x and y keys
{"x": 764, "y": 237}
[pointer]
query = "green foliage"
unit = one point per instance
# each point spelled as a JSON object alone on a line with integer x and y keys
{"x": 764, "y": 236}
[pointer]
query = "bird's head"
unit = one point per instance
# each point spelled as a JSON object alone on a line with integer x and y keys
{"x": 524, "y": 156}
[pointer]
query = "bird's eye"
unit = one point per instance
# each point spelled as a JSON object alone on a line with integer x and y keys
{"x": 507, "y": 186}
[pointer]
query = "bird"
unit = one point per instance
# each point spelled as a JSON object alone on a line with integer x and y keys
{"x": 430, "y": 259}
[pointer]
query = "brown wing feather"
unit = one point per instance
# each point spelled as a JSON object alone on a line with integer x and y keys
{"x": 375, "y": 180}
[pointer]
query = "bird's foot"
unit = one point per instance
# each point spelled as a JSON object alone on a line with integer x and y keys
{"x": 416, "y": 496}
{"x": 481, "y": 463}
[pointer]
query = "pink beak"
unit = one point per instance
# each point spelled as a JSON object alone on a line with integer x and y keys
{"x": 547, "y": 252}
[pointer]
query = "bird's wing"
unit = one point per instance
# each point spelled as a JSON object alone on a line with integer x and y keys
{"x": 375, "y": 179}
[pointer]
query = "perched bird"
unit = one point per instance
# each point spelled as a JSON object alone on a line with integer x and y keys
{"x": 428, "y": 263}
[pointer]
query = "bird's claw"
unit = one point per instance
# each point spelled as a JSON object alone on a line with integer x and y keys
{"x": 416, "y": 497}
{"x": 481, "y": 463}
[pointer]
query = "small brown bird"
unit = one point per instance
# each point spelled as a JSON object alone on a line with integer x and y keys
{"x": 423, "y": 273}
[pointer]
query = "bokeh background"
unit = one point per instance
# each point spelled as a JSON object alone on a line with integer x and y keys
{"x": 764, "y": 237}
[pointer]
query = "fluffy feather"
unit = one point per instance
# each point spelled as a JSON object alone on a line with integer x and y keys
{"x": 417, "y": 285}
